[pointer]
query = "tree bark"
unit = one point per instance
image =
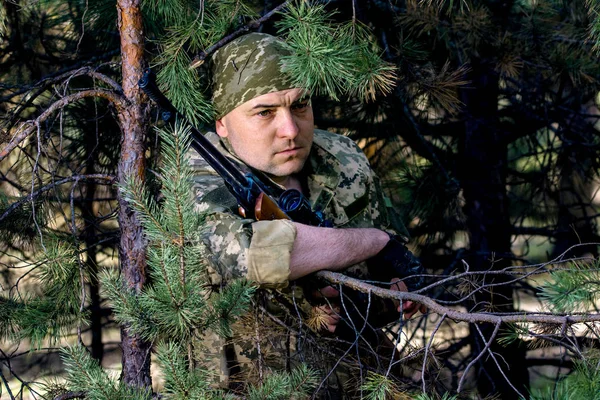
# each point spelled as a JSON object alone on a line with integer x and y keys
{"x": 133, "y": 120}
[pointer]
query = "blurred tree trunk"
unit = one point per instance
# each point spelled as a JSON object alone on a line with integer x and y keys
{"x": 134, "y": 122}
{"x": 483, "y": 171}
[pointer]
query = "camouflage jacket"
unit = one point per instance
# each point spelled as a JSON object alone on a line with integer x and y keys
{"x": 339, "y": 181}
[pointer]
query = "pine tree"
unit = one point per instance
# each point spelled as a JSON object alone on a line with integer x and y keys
{"x": 169, "y": 305}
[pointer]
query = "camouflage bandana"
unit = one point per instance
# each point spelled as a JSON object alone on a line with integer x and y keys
{"x": 246, "y": 68}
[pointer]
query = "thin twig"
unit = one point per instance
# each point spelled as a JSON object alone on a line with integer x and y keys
{"x": 28, "y": 127}
{"x": 481, "y": 353}
{"x": 110, "y": 179}
{"x": 487, "y": 347}
{"x": 355, "y": 343}
{"x": 6, "y": 385}
{"x": 66, "y": 77}
{"x": 437, "y": 327}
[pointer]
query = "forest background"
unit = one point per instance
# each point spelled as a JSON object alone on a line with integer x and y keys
{"x": 480, "y": 117}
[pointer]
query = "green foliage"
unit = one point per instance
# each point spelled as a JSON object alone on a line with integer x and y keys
{"x": 298, "y": 384}
{"x": 51, "y": 311}
{"x": 332, "y": 59}
{"x": 417, "y": 183}
{"x": 560, "y": 391}
{"x": 594, "y": 13}
{"x": 84, "y": 374}
{"x": 21, "y": 224}
{"x": 177, "y": 302}
{"x": 378, "y": 387}
{"x": 575, "y": 288}
{"x": 582, "y": 383}
{"x": 512, "y": 333}
{"x": 446, "y": 396}
{"x": 189, "y": 30}
{"x": 181, "y": 382}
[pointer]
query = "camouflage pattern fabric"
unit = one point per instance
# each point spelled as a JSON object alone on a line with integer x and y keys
{"x": 341, "y": 183}
{"x": 246, "y": 68}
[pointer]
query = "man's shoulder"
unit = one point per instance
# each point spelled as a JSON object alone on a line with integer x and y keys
{"x": 335, "y": 142}
{"x": 341, "y": 148}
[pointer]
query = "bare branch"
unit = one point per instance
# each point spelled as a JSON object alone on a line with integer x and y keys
{"x": 427, "y": 349}
{"x": 28, "y": 127}
{"x": 473, "y": 317}
{"x": 101, "y": 177}
{"x": 493, "y": 356}
{"x": 61, "y": 73}
{"x": 481, "y": 353}
{"x": 6, "y": 385}
{"x": 63, "y": 78}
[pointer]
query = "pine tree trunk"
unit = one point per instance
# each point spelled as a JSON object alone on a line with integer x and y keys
{"x": 133, "y": 120}
{"x": 483, "y": 176}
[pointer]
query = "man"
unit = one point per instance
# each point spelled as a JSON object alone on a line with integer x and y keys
{"x": 266, "y": 123}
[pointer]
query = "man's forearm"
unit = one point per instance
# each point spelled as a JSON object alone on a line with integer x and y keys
{"x": 317, "y": 248}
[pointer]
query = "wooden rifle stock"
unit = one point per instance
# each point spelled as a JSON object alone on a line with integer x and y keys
{"x": 266, "y": 209}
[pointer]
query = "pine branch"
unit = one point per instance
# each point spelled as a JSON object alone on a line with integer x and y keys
{"x": 199, "y": 58}
{"x": 71, "y": 395}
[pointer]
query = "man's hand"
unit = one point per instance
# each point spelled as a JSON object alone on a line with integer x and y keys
{"x": 409, "y": 308}
{"x": 328, "y": 314}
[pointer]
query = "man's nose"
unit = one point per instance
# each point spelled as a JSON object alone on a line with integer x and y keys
{"x": 288, "y": 126}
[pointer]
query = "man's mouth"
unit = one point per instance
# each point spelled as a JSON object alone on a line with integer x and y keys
{"x": 290, "y": 151}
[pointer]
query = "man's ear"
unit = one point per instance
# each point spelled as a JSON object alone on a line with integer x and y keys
{"x": 221, "y": 128}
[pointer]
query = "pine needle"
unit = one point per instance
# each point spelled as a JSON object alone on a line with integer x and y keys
{"x": 335, "y": 60}
{"x": 577, "y": 288}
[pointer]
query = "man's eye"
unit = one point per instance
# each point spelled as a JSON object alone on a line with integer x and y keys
{"x": 300, "y": 106}
{"x": 264, "y": 113}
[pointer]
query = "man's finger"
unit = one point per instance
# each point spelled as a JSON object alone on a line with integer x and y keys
{"x": 406, "y": 306}
{"x": 326, "y": 292}
{"x": 398, "y": 285}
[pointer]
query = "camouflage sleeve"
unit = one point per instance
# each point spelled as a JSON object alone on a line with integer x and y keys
{"x": 241, "y": 248}
{"x": 383, "y": 212}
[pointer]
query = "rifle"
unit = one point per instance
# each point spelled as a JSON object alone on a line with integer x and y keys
{"x": 261, "y": 201}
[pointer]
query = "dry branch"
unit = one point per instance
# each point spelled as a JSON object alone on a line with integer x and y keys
{"x": 109, "y": 179}
{"x": 456, "y": 315}
{"x": 28, "y": 127}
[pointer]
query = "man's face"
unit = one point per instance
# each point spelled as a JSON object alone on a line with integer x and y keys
{"x": 272, "y": 133}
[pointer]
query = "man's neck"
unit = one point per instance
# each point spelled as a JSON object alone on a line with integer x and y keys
{"x": 288, "y": 182}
